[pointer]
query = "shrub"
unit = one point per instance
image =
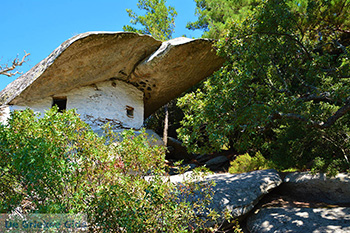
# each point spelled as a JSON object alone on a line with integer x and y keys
{"x": 57, "y": 164}
{"x": 54, "y": 162}
{"x": 246, "y": 163}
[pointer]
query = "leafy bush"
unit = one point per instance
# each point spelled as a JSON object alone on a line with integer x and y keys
{"x": 246, "y": 163}
{"x": 50, "y": 161}
{"x": 57, "y": 164}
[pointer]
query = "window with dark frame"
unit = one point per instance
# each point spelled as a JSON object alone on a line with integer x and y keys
{"x": 130, "y": 111}
{"x": 60, "y": 102}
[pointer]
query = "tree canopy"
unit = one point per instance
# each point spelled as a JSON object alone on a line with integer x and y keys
{"x": 158, "y": 21}
{"x": 284, "y": 89}
{"x": 214, "y": 16}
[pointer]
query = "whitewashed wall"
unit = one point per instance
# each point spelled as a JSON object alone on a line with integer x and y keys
{"x": 38, "y": 107}
{"x": 98, "y": 104}
{"x": 106, "y": 102}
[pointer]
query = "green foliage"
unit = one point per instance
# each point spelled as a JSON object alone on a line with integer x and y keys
{"x": 141, "y": 205}
{"x": 43, "y": 160}
{"x": 283, "y": 90}
{"x": 159, "y": 20}
{"x": 246, "y": 163}
{"x": 56, "y": 164}
{"x": 214, "y": 16}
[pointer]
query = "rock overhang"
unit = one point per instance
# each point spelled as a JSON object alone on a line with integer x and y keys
{"x": 161, "y": 70}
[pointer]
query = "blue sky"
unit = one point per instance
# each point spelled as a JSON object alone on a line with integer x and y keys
{"x": 40, "y": 26}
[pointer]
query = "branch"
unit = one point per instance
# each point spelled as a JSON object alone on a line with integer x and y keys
{"x": 338, "y": 114}
{"x": 302, "y": 81}
{"x": 8, "y": 71}
{"x": 321, "y": 125}
{"x": 279, "y": 115}
{"x": 280, "y": 75}
{"x": 323, "y": 97}
{"x": 342, "y": 30}
{"x": 294, "y": 38}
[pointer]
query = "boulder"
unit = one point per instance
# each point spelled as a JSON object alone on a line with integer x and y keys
{"x": 217, "y": 163}
{"x": 177, "y": 151}
{"x": 318, "y": 187}
{"x": 155, "y": 138}
{"x": 177, "y": 170}
{"x": 238, "y": 193}
{"x": 203, "y": 158}
{"x": 281, "y": 219}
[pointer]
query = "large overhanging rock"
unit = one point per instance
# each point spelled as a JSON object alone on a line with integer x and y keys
{"x": 175, "y": 67}
{"x": 83, "y": 60}
{"x": 161, "y": 70}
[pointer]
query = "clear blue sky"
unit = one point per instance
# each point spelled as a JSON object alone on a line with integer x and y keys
{"x": 40, "y": 26}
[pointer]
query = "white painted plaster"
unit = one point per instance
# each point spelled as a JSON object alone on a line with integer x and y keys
{"x": 38, "y": 106}
{"x": 97, "y": 104}
{"x": 107, "y": 102}
{"x": 4, "y": 114}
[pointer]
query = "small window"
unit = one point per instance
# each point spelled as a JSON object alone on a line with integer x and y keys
{"x": 129, "y": 111}
{"x": 60, "y": 102}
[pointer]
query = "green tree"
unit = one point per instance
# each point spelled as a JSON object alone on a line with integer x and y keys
{"x": 159, "y": 20}
{"x": 214, "y": 16}
{"x": 284, "y": 89}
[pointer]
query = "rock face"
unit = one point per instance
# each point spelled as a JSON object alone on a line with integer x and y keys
{"x": 177, "y": 65}
{"x": 82, "y": 60}
{"x": 280, "y": 220}
{"x": 318, "y": 187}
{"x": 310, "y": 192}
{"x": 239, "y": 193}
{"x": 216, "y": 163}
{"x": 162, "y": 71}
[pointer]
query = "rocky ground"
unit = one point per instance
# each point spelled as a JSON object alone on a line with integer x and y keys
{"x": 268, "y": 201}
{"x": 280, "y": 212}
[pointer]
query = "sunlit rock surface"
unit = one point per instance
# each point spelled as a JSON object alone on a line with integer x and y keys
{"x": 319, "y": 187}
{"x": 317, "y": 220}
{"x": 238, "y": 193}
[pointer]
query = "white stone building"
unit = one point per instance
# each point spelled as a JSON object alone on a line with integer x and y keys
{"x": 115, "y": 77}
{"x": 115, "y": 101}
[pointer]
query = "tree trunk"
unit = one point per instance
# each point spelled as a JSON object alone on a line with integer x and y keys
{"x": 166, "y": 125}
